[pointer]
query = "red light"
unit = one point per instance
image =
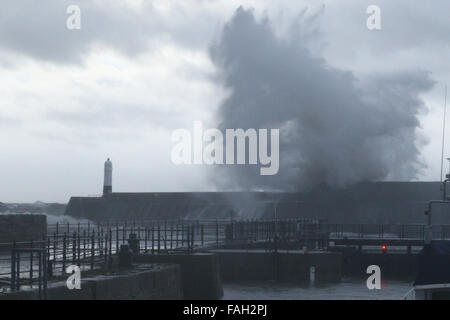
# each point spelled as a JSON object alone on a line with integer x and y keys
{"x": 384, "y": 247}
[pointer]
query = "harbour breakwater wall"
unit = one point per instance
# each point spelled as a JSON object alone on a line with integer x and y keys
{"x": 144, "y": 282}
{"x": 22, "y": 227}
{"x": 377, "y": 202}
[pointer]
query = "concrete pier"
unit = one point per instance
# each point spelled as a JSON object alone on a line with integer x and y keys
{"x": 144, "y": 282}
{"x": 200, "y": 273}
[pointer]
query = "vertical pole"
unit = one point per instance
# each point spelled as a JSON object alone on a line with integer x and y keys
{"x": 177, "y": 231}
{"x": 18, "y": 271}
{"x": 139, "y": 236}
{"x": 31, "y": 262}
{"x": 153, "y": 238}
{"x": 47, "y": 255}
{"x": 146, "y": 238}
{"x": 45, "y": 271}
{"x": 13, "y": 266}
{"x": 182, "y": 233}
{"x": 159, "y": 237}
{"x": 165, "y": 234}
{"x": 74, "y": 248}
{"x": 84, "y": 246}
{"x": 188, "y": 239}
{"x": 124, "y": 232}
{"x": 110, "y": 243}
{"x": 105, "y": 260}
{"x": 171, "y": 235}
{"x": 92, "y": 249}
{"x": 64, "y": 254}
{"x": 217, "y": 234}
{"x": 192, "y": 236}
{"x": 40, "y": 274}
{"x": 201, "y": 234}
{"x": 79, "y": 248}
{"x": 117, "y": 237}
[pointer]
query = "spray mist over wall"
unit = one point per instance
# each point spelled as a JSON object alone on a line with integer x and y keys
{"x": 335, "y": 129}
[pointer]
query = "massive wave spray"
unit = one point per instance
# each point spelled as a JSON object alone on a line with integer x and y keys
{"x": 334, "y": 128}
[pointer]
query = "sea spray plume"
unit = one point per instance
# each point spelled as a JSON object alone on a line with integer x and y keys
{"x": 334, "y": 128}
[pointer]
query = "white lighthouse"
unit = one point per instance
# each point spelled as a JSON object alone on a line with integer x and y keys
{"x": 107, "y": 184}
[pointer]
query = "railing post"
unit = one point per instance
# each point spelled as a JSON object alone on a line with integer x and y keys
{"x": 153, "y": 238}
{"x": 177, "y": 227}
{"x": 92, "y": 249}
{"x": 31, "y": 261}
{"x": 74, "y": 248}
{"x": 64, "y": 254}
{"x": 146, "y": 238}
{"x": 13, "y": 266}
{"x": 117, "y": 238}
{"x": 217, "y": 233}
{"x": 201, "y": 234}
{"x": 45, "y": 260}
{"x": 105, "y": 248}
{"x": 18, "y": 270}
{"x": 55, "y": 244}
{"x": 171, "y": 234}
{"x": 182, "y": 233}
{"x": 159, "y": 237}
{"x": 79, "y": 248}
{"x": 110, "y": 244}
{"x": 165, "y": 234}
{"x": 84, "y": 246}
{"x": 188, "y": 238}
{"x": 192, "y": 236}
{"x": 47, "y": 267}
{"x": 40, "y": 266}
{"x": 124, "y": 233}
{"x": 139, "y": 236}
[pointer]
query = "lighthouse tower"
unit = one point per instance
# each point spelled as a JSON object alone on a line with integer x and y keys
{"x": 107, "y": 184}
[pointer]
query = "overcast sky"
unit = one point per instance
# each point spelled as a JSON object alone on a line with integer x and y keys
{"x": 137, "y": 70}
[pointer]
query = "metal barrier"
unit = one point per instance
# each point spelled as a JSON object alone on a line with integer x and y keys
{"x": 92, "y": 246}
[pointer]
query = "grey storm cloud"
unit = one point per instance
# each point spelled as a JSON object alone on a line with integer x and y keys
{"x": 38, "y": 29}
{"x": 334, "y": 128}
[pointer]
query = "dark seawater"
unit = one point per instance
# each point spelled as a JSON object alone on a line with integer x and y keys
{"x": 347, "y": 289}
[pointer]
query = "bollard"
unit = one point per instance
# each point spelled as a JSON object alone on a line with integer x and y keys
{"x": 133, "y": 243}
{"x": 49, "y": 268}
{"x": 312, "y": 274}
{"x": 125, "y": 256}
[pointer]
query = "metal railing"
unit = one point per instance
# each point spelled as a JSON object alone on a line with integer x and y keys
{"x": 92, "y": 246}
